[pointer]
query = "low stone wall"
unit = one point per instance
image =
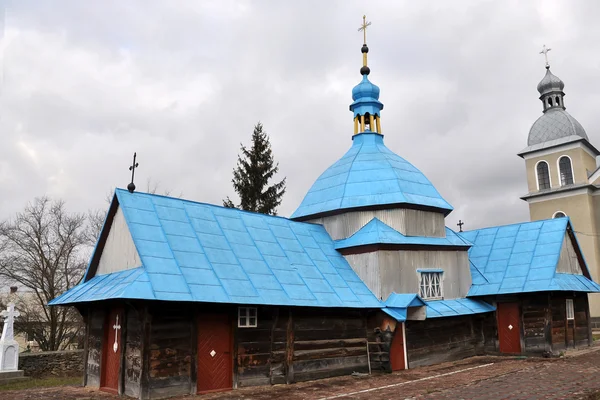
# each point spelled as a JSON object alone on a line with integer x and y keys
{"x": 52, "y": 363}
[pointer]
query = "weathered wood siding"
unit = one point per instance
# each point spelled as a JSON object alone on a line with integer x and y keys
{"x": 568, "y": 262}
{"x": 386, "y": 271}
{"x": 170, "y": 352}
{"x": 439, "y": 340}
{"x": 582, "y": 320}
{"x": 133, "y": 353}
{"x": 537, "y": 319}
{"x": 94, "y": 347}
{"x": 119, "y": 252}
{"x": 406, "y": 221}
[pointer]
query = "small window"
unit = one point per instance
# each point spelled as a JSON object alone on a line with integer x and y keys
{"x": 559, "y": 214}
{"x": 431, "y": 285}
{"x": 570, "y": 309}
{"x": 566, "y": 171}
{"x": 247, "y": 317}
{"x": 543, "y": 175}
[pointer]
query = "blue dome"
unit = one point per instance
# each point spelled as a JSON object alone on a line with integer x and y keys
{"x": 369, "y": 174}
{"x": 365, "y": 90}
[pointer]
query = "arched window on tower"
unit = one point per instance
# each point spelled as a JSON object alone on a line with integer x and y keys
{"x": 543, "y": 175}
{"x": 565, "y": 171}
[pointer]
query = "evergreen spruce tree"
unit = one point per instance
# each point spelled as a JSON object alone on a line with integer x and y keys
{"x": 255, "y": 168}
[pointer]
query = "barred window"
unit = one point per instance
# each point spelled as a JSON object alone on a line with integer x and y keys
{"x": 566, "y": 171}
{"x": 247, "y": 317}
{"x": 543, "y": 175}
{"x": 431, "y": 285}
{"x": 570, "y": 309}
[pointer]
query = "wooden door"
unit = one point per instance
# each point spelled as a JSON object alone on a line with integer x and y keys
{"x": 111, "y": 352}
{"x": 509, "y": 328}
{"x": 214, "y": 353}
{"x": 397, "y": 350}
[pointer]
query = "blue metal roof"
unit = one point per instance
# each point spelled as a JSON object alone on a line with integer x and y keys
{"x": 369, "y": 174}
{"x": 377, "y": 232}
{"x": 403, "y": 300}
{"x": 205, "y": 253}
{"x": 521, "y": 258}
{"x": 455, "y": 307}
{"x": 397, "y": 304}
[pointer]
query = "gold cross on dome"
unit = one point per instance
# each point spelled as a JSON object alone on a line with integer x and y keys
{"x": 364, "y": 27}
{"x": 545, "y": 51}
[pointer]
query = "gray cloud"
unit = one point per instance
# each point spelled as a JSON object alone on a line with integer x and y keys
{"x": 183, "y": 82}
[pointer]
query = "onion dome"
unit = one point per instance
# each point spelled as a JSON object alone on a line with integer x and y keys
{"x": 550, "y": 83}
{"x": 554, "y": 124}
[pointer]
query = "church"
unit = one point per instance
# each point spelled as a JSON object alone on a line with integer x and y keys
{"x": 182, "y": 297}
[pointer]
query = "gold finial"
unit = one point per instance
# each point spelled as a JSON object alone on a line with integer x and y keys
{"x": 364, "y": 27}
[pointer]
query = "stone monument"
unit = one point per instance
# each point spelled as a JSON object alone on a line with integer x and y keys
{"x": 9, "y": 348}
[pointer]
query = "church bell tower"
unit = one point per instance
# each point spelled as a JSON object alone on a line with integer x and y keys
{"x": 563, "y": 173}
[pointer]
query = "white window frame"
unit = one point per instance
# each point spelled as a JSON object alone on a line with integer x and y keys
{"x": 428, "y": 277}
{"x": 245, "y": 317}
{"x": 562, "y": 212}
{"x": 570, "y": 310}
{"x": 537, "y": 178}
{"x": 560, "y": 183}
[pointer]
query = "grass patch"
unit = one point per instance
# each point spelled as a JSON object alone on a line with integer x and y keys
{"x": 42, "y": 383}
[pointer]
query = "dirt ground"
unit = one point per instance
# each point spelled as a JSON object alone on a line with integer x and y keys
{"x": 572, "y": 377}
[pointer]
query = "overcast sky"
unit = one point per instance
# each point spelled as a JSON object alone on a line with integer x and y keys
{"x": 87, "y": 83}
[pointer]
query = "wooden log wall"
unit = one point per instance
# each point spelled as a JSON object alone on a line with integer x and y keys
{"x": 582, "y": 320}
{"x": 259, "y": 352}
{"x": 537, "y": 320}
{"x": 132, "y": 374}
{"x": 328, "y": 343}
{"x": 170, "y": 352}
{"x": 439, "y": 340}
{"x": 298, "y": 344}
{"x": 94, "y": 347}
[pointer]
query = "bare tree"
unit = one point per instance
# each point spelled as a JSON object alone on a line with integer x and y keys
{"x": 44, "y": 248}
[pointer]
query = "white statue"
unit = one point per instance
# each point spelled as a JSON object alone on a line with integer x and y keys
{"x": 9, "y": 348}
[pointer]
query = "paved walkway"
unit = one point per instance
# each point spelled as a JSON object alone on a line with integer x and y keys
{"x": 478, "y": 378}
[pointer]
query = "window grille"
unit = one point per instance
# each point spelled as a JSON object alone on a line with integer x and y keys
{"x": 247, "y": 317}
{"x": 431, "y": 285}
{"x": 566, "y": 171}
{"x": 570, "y": 309}
{"x": 543, "y": 175}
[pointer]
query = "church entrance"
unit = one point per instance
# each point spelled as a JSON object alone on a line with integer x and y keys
{"x": 214, "y": 353}
{"x": 398, "y": 349}
{"x": 111, "y": 352}
{"x": 509, "y": 328}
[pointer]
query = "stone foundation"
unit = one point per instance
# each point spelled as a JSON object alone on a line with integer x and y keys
{"x": 52, "y": 363}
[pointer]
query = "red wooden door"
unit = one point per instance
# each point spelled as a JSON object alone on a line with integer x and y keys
{"x": 509, "y": 328}
{"x": 397, "y": 349}
{"x": 111, "y": 351}
{"x": 214, "y": 353}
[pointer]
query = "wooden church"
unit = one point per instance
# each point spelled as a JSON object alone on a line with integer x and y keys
{"x": 183, "y": 297}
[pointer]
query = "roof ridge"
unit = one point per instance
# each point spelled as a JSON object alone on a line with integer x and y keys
{"x": 513, "y": 224}
{"x": 348, "y": 172}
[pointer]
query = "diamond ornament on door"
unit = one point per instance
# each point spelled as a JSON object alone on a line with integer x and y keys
{"x": 510, "y": 327}
{"x": 213, "y": 353}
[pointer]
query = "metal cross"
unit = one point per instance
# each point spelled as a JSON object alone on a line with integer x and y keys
{"x": 545, "y": 51}
{"x": 116, "y": 327}
{"x": 131, "y": 186}
{"x": 460, "y": 225}
{"x": 364, "y": 27}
